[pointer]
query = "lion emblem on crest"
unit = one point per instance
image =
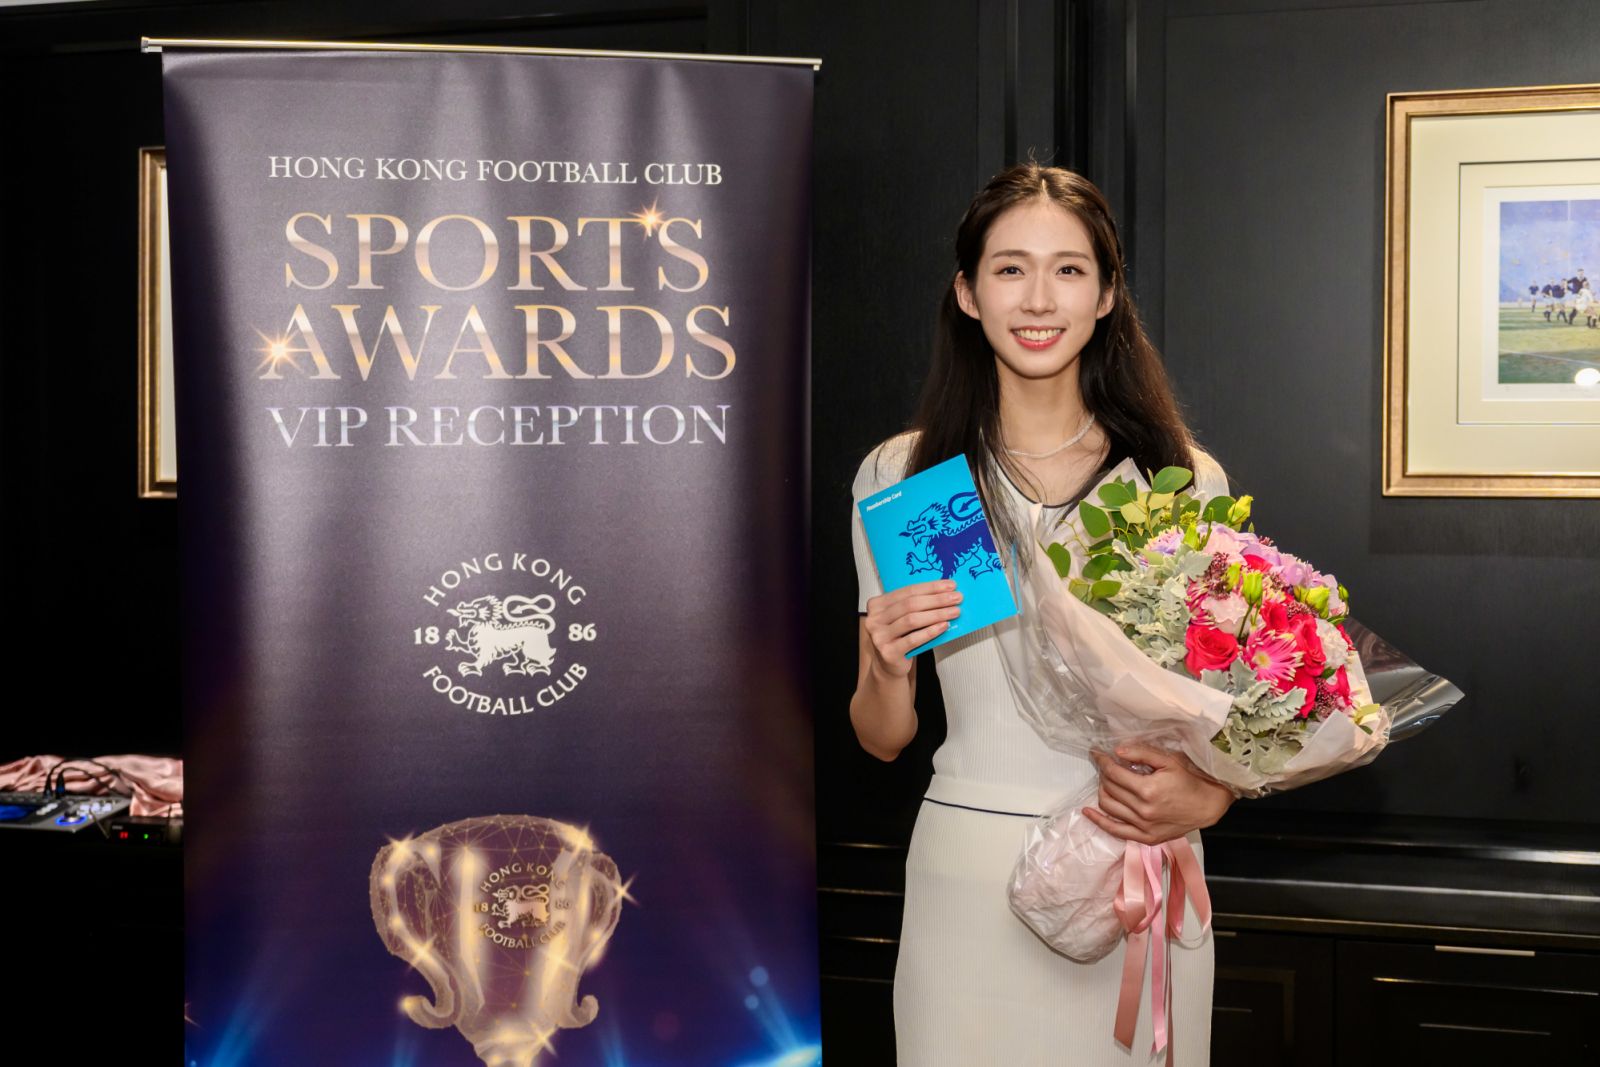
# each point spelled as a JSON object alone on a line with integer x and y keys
{"x": 515, "y": 630}
{"x": 522, "y": 905}
{"x": 947, "y": 536}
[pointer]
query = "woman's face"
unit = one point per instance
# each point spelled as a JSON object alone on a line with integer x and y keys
{"x": 1037, "y": 290}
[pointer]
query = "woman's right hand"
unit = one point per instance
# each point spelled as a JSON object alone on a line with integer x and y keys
{"x": 910, "y": 616}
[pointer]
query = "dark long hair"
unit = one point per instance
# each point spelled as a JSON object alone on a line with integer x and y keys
{"x": 1120, "y": 375}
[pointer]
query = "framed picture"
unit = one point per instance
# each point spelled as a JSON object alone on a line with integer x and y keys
{"x": 158, "y": 439}
{"x": 1491, "y": 279}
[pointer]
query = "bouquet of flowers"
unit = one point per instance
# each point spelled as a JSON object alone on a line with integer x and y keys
{"x": 1159, "y": 616}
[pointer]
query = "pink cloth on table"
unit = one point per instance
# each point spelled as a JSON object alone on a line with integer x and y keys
{"x": 156, "y": 781}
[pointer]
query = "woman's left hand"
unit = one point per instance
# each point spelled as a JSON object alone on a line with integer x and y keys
{"x": 1151, "y": 808}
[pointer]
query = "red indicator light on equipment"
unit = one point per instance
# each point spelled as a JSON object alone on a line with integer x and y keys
{"x": 124, "y": 835}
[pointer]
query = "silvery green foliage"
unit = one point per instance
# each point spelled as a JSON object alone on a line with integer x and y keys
{"x": 1262, "y": 729}
{"x": 1150, "y": 607}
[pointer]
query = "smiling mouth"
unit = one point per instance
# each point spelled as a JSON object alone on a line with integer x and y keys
{"x": 1041, "y": 337}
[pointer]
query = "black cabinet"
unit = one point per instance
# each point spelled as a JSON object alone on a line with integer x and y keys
{"x": 1391, "y": 940}
{"x": 1467, "y": 1004}
{"x": 1271, "y": 1000}
{"x": 1398, "y": 943}
{"x": 859, "y": 903}
{"x": 1300, "y": 1001}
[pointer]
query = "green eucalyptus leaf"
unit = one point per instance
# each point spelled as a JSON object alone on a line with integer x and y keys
{"x": 1170, "y": 479}
{"x": 1118, "y": 564}
{"x": 1096, "y": 568}
{"x": 1133, "y": 511}
{"x": 1095, "y": 521}
{"x": 1216, "y": 509}
{"x": 1061, "y": 558}
{"x": 1159, "y": 500}
{"x": 1115, "y": 494}
{"x": 1105, "y": 587}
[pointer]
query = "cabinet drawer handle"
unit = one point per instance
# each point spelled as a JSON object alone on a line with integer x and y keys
{"x": 1484, "y": 1029}
{"x": 1470, "y": 950}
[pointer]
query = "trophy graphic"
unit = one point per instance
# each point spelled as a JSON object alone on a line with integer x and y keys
{"x": 502, "y": 915}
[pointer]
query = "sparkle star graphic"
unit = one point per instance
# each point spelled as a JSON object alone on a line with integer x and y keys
{"x": 649, "y": 217}
{"x": 276, "y": 352}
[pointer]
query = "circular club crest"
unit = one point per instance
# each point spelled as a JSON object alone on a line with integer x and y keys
{"x": 509, "y": 633}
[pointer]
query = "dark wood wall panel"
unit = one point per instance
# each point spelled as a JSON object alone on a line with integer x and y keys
{"x": 1261, "y": 173}
{"x": 902, "y": 141}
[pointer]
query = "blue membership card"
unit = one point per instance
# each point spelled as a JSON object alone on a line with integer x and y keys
{"x": 932, "y": 526}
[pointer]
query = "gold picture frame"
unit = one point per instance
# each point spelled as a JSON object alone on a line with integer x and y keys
{"x": 1477, "y": 396}
{"x": 158, "y": 450}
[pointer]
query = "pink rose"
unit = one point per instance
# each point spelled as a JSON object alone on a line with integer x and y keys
{"x": 1209, "y": 649}
{"x": 1274, "y": 615}
{"x": 1309, "y": 641}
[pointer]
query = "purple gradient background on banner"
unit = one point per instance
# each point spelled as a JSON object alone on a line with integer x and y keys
{"x": 313, "y": 737}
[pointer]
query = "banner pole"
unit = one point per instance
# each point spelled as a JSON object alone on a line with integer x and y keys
{"x": 160, "y": 44}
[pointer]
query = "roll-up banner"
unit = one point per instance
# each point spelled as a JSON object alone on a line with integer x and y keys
{"x": 492, "y": 380}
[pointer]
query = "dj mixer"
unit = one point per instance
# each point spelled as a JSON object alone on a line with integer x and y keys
{"x": 67, "y": 813}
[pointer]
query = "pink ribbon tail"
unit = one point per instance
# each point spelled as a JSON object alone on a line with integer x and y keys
{"x": 1139, "y": 905}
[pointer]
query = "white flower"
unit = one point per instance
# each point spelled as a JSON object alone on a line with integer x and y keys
{"x": 1335, "y": 649}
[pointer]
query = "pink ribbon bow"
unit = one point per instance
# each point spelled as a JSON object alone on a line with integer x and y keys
{"x": 1139, "y": 905}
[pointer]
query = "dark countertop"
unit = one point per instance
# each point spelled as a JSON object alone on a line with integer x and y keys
{"x": 1469, "y": 880}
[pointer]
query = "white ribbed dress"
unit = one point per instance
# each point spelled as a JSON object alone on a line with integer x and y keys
{"x": 973, "y": 985}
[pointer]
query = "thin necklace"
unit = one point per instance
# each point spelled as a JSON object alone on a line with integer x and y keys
{"x": 1088, "y": 424}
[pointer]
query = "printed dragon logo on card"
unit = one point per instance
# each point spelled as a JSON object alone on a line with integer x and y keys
{"x": 513, "y": 628}
{"x": 948, "y": 536}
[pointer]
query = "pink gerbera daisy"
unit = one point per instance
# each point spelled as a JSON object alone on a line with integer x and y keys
{"x": 1274, "y": 656}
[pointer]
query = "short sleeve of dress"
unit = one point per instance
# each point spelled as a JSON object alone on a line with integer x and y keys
{"x": 1209, "y": 477}
{"x": 883, "y": 466}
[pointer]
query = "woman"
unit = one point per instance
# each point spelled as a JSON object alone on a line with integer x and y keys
{"x": 1044, "y": 379}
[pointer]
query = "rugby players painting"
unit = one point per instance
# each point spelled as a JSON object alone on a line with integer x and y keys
{"x": 1544, "y": 244}
{"x": 1492, "y": 262}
